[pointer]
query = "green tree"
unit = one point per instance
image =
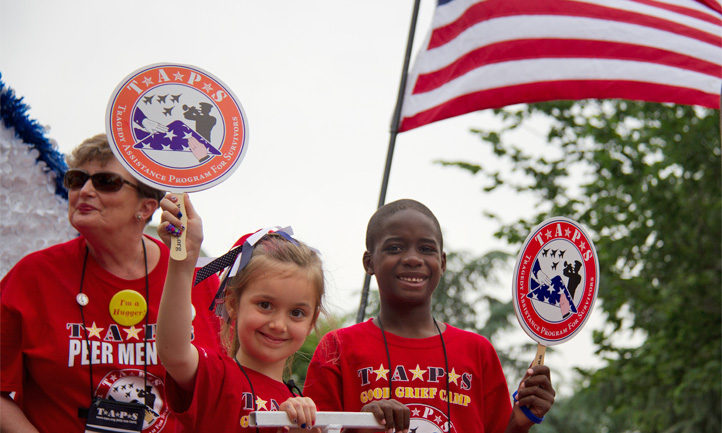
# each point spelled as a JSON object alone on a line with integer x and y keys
{"x": 645, "y": 180}
{"x": 300, "y": 360}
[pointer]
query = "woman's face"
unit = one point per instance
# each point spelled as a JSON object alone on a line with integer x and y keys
{"x": 90, "y": 210}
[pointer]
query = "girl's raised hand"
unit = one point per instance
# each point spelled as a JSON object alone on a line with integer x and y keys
{"x": 302, "y": 411}
{"x": 171, "y": 225}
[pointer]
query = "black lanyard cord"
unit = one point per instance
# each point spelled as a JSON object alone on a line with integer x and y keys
{"x": 82, "y": 316}
{"x": 388, "y": 358}
{"x": 145, "y": 337}
{"x": 250, "y": 384}
{"x": 446, "y": 362}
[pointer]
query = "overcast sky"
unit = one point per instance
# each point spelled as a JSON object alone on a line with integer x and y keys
{"x": 318, "y": 81}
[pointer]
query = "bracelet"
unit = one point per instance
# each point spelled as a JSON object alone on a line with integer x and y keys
{"x": 526, "y": 411}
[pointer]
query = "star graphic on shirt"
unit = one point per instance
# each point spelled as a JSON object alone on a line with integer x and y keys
{"x": 381, "y": 372}
{"x": 437, "y": 420}
{"x": 261, "y": 403}
{"x": 582, "y": 246}
{"x": 147, "y": 81}
{"x": 418, "y": 373}
{"x": 178, "y": 76}
{"x": 567, "y": 232}
{"x": 132, "y": 332}
{"x": 207, "y": 87}
{"x": 548, "y": 234}
{"x": 415, "y": 413}
{"x": 453, "y": 377}
{"x": 94, "y": 331}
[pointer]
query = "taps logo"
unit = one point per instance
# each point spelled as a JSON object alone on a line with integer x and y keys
{"x": 555, "y": 281}
{"x": 177, "y": 127}
{"x": 428, "y": 419}
{"x": 130, "y": 386}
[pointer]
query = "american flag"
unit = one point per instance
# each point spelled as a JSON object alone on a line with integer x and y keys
{"x": 493, "y": 53}
{"x": 549, "y": 293}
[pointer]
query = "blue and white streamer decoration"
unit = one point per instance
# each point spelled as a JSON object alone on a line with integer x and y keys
{"x": 33, "y": 200}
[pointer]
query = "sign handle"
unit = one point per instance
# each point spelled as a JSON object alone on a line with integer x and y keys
{"x": 178, "y": 243}
{"x": 540, "y": 351}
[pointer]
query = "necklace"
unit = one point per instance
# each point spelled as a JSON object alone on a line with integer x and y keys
{"x": 446, "y": 365}
{"x": 290, "y": 385}
{"x": 83, "y": 300}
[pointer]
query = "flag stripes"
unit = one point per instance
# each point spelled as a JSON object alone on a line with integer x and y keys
{"x": 493, "y": 53}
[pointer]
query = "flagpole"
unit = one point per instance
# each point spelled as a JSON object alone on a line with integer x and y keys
{"x": 392, "y": 143}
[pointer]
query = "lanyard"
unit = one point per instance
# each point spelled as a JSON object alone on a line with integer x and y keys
{"x": 83, "y": 300}
{"x": 446, "y": 362}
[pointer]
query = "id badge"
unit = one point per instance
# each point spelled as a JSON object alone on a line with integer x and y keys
{"x": 110, "y": 416}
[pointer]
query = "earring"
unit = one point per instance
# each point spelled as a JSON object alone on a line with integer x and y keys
{"x": 139, "y": 216}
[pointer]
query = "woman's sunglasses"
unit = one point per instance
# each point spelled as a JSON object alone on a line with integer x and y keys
{"x": 103, "y": 181}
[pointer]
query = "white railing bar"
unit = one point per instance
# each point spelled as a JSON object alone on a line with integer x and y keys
{"x": 331, "y": 422}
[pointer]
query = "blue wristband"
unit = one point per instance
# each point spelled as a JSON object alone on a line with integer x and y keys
{"x": 526, "y": 411}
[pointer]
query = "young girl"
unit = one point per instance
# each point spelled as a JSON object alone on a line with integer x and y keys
{"x": 272, "y": 304}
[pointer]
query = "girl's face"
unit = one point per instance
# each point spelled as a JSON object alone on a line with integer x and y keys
{"x": 274, "y": 315}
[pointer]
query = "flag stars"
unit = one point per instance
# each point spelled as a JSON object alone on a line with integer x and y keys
{"x": 261, "y": 403}
{"x": 94, "y": 331}
{"x": 418, "y": 373}
{"x": 381, "y": 372}
{"x": 170, "y": 135}
{"x": 132, "y": 332}
{"x": 454, "y": 377}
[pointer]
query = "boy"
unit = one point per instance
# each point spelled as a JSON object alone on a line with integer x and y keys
{"x": 403, "y": 366}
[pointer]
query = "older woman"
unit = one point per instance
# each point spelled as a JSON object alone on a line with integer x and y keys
{"x": 79, "y": 318}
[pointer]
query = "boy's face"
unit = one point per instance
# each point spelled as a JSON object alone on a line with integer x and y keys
{"x": 406, "y": 259}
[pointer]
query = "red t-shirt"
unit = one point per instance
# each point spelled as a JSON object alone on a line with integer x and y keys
{"x": 43, "y": 355}
{"x": 350, "y": 369}
{"x": 223, "y": 397}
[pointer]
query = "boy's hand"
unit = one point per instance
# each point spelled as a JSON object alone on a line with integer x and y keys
{"x": 302, "y": 411}
{"x": 535, "y": 392}
{"x": 392, "y": 414}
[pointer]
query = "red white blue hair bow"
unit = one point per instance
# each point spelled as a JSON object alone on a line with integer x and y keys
{"x": 236, "y": 259}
